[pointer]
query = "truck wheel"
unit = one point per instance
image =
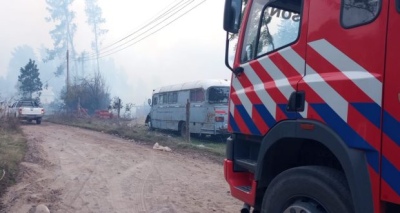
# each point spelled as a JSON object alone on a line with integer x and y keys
{"x": 182, "y": 128}
{"x": 38, "y": 121}
{"x": 311, "y": 189}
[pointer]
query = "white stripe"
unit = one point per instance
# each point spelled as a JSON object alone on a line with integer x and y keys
{"x": 259, "y": 88}
{"x": 318, "y": 84}
{"x": 279, "y": 78}
{"x": 304, "y": 114}
{"x": 361, "y": 77}
{"x": 327, "y": 93}
{"x": 294, "y": 59}
{"x": 242, "y": 96}
{"x": 232, "y": 108}
{"x": 282, "y": 83}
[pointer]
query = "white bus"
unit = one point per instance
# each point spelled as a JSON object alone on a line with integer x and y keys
{"x": 208, "y": 107}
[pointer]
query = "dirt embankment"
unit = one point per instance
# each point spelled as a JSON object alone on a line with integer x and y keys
{"x": 75, "y": 170}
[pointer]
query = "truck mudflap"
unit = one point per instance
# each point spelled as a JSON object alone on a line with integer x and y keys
{"x": 242, "y": 184}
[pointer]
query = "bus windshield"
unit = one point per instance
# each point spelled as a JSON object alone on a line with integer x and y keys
{"x": 218, "y": 95}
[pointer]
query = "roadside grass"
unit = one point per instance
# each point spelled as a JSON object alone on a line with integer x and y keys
{"x": 137, "y": 132}
{"x": 12, "y": 150}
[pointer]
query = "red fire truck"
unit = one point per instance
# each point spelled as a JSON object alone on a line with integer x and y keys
{"x": 314, "y": 109}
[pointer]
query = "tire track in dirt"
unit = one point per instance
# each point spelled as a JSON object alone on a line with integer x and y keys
{"x": 76, "y": 170}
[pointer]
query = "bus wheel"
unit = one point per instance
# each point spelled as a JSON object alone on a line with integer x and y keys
{"x": 313, "y": 189}
{"x": 182, "y": 128}
{"x": 150, "y": 126}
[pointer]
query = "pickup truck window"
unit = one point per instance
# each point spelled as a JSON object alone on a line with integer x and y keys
{"x": 25, "y": 104}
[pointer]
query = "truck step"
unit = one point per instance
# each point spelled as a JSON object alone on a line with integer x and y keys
{"x": 247, "y": 164}
{"x": 246, "y": 189}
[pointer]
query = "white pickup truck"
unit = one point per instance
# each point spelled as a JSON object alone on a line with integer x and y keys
{"x": 26, "y": 110}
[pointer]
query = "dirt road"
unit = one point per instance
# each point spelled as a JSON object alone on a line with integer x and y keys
{"x": 74, "y": 170}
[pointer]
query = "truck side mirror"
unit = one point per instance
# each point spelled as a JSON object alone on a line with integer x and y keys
{"x": 232, "y": 15}
{"x": 149, "y": 101}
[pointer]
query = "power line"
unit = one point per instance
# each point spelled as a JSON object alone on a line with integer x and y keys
{"x": 150, "y": 22}
{"x": 148, "y": 34}
{"x": 168, "y": 9}
{"x": 154, "y": 26}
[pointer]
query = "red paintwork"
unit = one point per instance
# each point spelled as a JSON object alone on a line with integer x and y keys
{"x": 240, "y": 179}
{"x": 374, "y": 47}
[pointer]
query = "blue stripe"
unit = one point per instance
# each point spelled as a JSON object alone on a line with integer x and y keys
{"x": 247, "y": 119}
{"x": 371, "y": 111}
{"x": 265, "y": 114}
{"x": 341, "y": 127}
{"x": 349, "y": 136}
{"x": 373, "y": 160}
{"x": 233, "y": 124}
{"x": 391, "y": 175}
{"x": 391, "y": 127}
{"x": 289, "y": 115}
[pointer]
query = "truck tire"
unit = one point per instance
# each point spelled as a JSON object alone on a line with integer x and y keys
{"x": 38, "y": 120}
{"x": 314, "y": 189}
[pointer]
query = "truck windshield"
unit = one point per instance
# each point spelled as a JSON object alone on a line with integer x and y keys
{"x": 218, "y": 95}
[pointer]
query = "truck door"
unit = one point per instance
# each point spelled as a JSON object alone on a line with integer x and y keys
{"x": 391, "y": 115}
{"x": 271, "y": 53}
{"x": 344, "y": 82}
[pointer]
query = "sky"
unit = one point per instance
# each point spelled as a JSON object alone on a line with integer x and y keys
{"x": 189, "y": 49}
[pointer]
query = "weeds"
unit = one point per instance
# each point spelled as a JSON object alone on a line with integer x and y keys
{"x": 132, "y": 130}
{"x": 9, "y": 124}
{"x": 12, "y": 151}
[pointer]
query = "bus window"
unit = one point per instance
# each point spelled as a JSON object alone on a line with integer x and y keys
{"x": 218, "y": 94}
{"x": 163, "y": 99}
{"x": 172, "y": 98}
{"x": 155, "y": 100}
{"x": 196, "y": 95}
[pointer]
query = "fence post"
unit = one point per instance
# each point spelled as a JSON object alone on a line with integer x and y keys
{"x": 119, "y": 107}
{"x": 187, "y": 121}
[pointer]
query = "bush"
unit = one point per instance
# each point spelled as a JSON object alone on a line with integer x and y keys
{"x": 10, "y": 124}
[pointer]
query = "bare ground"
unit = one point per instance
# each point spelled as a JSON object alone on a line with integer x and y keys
{"x": 75, "y": 170}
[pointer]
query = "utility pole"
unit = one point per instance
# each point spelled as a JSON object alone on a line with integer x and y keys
{"x": 67, "y": 80}
{"x": 119, "y": 107}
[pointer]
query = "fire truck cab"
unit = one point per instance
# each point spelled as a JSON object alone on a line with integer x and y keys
{"x": 314, "y": 111}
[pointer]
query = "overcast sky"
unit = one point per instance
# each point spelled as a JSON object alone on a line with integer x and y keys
{"x": 189, "y": 49}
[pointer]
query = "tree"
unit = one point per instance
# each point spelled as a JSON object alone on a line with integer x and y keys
{"x": 29, "y": 81}
{"x": 63, "y": 33}
{"x": 90, "y": 93}
{"x": 95, "y": 19}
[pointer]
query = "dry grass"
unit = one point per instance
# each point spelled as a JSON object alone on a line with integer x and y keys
{"x": 136, "y": 131}
{"x": 12, "y": 151}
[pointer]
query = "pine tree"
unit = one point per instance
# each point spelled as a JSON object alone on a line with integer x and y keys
{"x": 95, "y": 20}
{"x": 29, "y": 81}
{"x": 63, "y": 33}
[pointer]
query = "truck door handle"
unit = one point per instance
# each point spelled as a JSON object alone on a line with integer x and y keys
{"x": 296, "y": 101}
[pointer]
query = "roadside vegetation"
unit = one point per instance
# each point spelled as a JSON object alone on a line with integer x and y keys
{"x": 135, "y": 131}
{"x": 12, "y": 151}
